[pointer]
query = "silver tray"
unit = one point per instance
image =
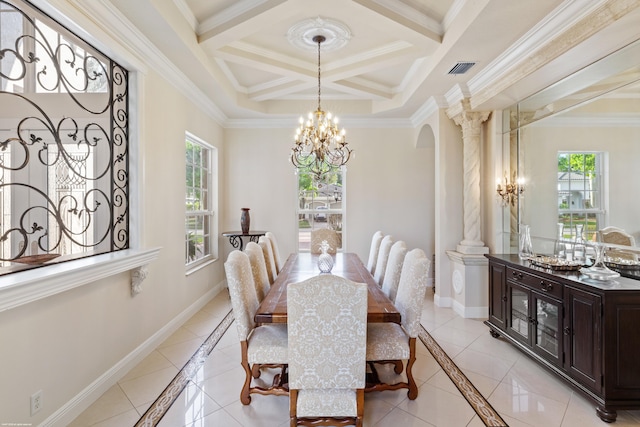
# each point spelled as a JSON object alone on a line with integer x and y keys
{"x": 554, "y": 263}
{"x": 599, "y": 273}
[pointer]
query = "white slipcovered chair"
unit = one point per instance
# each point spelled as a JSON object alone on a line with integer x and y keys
{"x": 383, "y": 257}
{"x": 318, "y": 236}
{"x": 373, "y": 251}
{"x": 276, "y": 251}
{"x": 258, "y": 269}
{"x": 259, "y": 345}
{"x": 390, "y": 342}
{"x": 267, "y": 251}
{"x": 327, "y": 320}
{"x": 394, "y": 268}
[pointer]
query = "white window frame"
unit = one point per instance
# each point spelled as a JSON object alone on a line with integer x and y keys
{"x": 599, "y": 211}
{"x": 321, "y": 209}
{"x": 209, "y": 249}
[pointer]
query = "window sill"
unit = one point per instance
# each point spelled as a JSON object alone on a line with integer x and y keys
{"x": 24, "y": 287}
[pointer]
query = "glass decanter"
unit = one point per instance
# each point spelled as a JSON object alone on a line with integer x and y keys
{"x": 579, "y": 247}
{"x": 525, "y": 248}
{"x": 599, "y": 270}
{"x": 559, "y": 249}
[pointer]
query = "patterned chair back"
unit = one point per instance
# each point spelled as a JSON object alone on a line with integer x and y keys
{"x": 373, "y": 251}
{"x": 327, "y": 328}
{"x": 242, "y": 291}
{"x": 383, "y": 257}
{"x": 258, "y": 269}
{"x": 394, "y": 268}
{"x": 265, "y": 244}
{"x": 317, "y": 236}
{"x": 411, "y": 290}
{"x": 276, "y": 251}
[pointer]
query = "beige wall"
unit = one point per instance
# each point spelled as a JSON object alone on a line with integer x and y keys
{"x": 389, "y": 186}
{"x": 62, "y": 344}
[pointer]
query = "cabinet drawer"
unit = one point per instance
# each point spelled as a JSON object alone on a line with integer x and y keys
{"x": 537, "y": 283}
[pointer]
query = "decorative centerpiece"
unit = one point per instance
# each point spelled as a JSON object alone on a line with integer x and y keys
{"x": 325, "y": 260}
{"x": 245, "y": 220}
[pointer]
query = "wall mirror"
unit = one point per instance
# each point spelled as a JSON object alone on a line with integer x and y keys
{"x": 577, "y": 146}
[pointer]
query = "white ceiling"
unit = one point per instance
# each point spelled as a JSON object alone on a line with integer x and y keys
{"x": 399, "y": 52}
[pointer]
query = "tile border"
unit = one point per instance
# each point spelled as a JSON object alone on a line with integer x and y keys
{"x": 483, "y": 408}
{"x": 161, "y": 405}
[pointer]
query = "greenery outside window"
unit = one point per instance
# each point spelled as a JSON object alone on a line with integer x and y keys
{"x": 580, "y": 192}
{"x": 200, "y": 160}
{"x": 320, "y": 205}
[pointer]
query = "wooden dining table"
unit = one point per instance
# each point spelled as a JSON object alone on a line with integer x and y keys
{"x": 301, "y": 266}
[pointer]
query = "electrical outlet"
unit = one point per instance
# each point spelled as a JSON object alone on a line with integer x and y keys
{"x": 36, "y": 402}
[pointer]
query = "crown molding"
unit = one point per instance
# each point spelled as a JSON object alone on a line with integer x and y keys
{"x": 426, "y": 110}
{"x": 112, "y": 22}
{"x": 292, "y": 121}
{"x": 628, "y": 120}
{"x": 186, "y": 12}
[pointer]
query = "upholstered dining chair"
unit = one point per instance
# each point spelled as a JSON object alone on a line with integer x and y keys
{"x": 390, "y": 342}
{"x": 327, "y": 321}
{"x": 332, "y": 238}
{"x": 276, "y": 251}
{"x": 383, "y": 257}
{"x": 267, "y": 251}
{"x": 373, "y": 251}
{"x": 259, "y": 345}
{"x": 394, "y": 268}
{"x": 617, "y": 236}
{"x": 258, "y": 269}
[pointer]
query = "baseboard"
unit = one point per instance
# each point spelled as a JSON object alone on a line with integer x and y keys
{"x": 78, "y": 404}
{"x": 442, "y": 301}
{"x": 470, "y": 312}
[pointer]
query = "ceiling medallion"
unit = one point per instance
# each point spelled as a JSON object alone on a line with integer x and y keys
{"x": 336, "y": 34}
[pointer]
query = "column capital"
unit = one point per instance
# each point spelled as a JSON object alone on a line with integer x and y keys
{"x": 468, "y": 119}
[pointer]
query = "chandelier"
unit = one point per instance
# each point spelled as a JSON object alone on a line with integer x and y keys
{"x": 319, "y": 146}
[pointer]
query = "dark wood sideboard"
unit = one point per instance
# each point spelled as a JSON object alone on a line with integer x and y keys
{"x": 586, "y": 332}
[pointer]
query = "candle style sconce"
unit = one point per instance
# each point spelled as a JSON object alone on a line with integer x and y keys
{"x": 509, "y": 190}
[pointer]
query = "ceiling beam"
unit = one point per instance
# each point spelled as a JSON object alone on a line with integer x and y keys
{"x": 241, "y": 20}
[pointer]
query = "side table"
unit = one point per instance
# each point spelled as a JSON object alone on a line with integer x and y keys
{"x": 235, "y": 237}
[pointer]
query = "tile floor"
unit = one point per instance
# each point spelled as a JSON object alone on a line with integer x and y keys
{"x": 523, "y": 393}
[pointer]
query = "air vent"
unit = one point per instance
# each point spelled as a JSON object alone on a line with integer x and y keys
{"x": 461, "y": 67}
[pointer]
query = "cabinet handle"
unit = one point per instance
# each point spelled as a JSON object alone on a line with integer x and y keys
{"x": 547, "y": 287}
{"x": 504, "y": 298}
{"x": 567, "y": 331}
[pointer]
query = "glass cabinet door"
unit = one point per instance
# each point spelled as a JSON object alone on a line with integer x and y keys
{"x": 518, "y": 312}
{"x": 547, "y": 328}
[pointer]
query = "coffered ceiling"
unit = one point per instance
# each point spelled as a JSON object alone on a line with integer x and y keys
{"x": 383, "y": 58}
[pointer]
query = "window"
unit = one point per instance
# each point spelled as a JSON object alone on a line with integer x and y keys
{"x": 199, "y": 202}
{"x": 320, "y": 205}
{"x": 64, "y": 144}
{"x": 580, "y": 192}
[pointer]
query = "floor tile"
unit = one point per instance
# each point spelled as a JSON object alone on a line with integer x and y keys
{"x": 154, "y": 362}
{"x": 528, "y": 407}
{"x": 398, "y": 417}
{"x": 191, "y": 405}
{"x": 180, "y": 353}
{"x": 483, "y": 364}
{"x": 264, "y": 411}
{"x": 148, "y": 387}
{"x": 112, "y": 403}
{"x": 439, "y": 407}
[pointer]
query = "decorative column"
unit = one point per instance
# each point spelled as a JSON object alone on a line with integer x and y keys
{"x": 471, "y": 123}
{"x": 469, "y": 278}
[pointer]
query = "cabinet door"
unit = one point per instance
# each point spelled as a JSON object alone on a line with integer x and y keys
{"x": 518, "y": 318}
{"x": 584, "y": 337}
{"x": 497, "y": 295}
{"x": 547, "y": 328}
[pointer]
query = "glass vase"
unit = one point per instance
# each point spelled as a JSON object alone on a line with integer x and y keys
{"x": 559, "y": 248}
{"x": 579, "y": 248}
{"x": 525, "y": 248}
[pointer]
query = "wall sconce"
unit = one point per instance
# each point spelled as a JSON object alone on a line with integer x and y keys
{"x": 510, "y": 190}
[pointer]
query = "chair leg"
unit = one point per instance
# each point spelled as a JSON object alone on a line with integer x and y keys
{"x": 245, "y": 398}
{"x": 359, "y": 407}
{"x": 255, "y": 371}
{"x": 413, "y": 388}
{"x": 293, "y": 408}
{"x": 397, "y": 368}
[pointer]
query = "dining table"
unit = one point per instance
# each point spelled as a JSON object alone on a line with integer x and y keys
{"x": 304, "y": 265}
